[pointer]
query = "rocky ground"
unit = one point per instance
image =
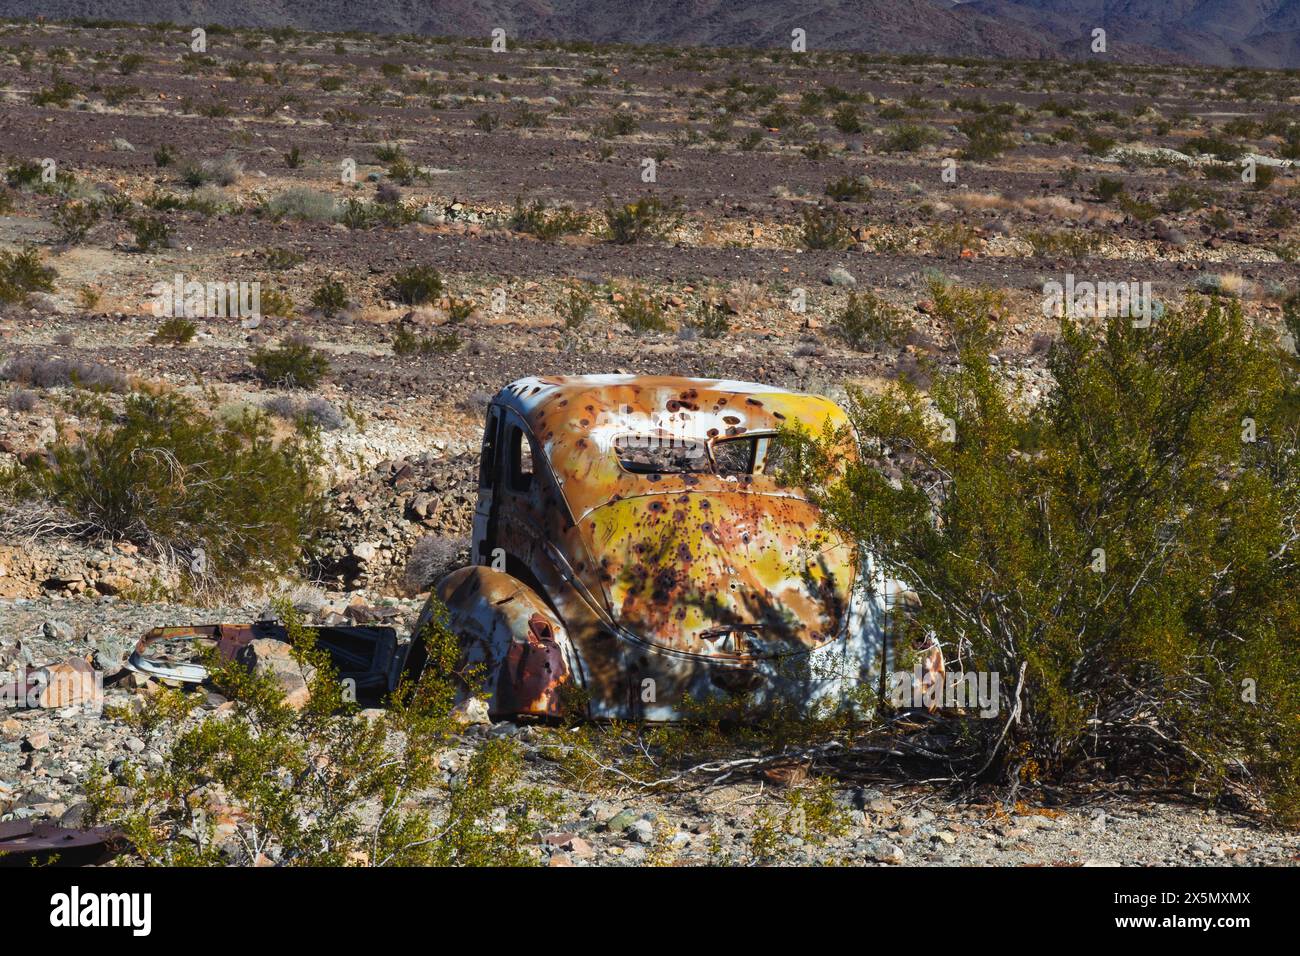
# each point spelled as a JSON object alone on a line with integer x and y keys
{"x": 45, "y": 754}
{"x": 443, "y": 137}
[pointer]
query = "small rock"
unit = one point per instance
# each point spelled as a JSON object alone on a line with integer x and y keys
{"x": 841, "y": 278}
{"x": 883, "y": 851}
{"x": 642, "y": 831}
{"x": 58, "y": 631}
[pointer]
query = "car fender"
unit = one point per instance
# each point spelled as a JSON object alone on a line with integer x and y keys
{"x": 509, "y": 638}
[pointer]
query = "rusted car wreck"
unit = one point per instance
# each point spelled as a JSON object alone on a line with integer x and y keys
{"x": 633, "y": 543}
{"x": 632, "y": 539}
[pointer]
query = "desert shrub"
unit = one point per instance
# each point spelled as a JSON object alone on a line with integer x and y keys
{"x": 218, "y": 495}
{"x": 648, "y": 218}
{"x": 487, "y": 122}
{"x": 970, "y": 316}
{"x": 280, "y": 258}
{"x": 868, "y": 321}
{"x": 1071, "y": 245}
{"x": 59, "y": 93}
{"x": 641, "y": 312}
{"x": 849, "y": 189}
{"x": 26, "y": 173}
{"x": 293, "y": 364}
{"x": 846, "y": 119}
{"x": 22, "y": 273}
{"x": 574, "y": 306}
{"x": 59, "y": 372}
{"x": 150, "y": 232}
{"x": 406, "y": 343}
{"x": 1183, "y": 197}
{"x": 176, "y": 330}
{"x": 1215, "y": 146}
{"x": 330, "y": 298}
{"x": 74, "y": 219}
{"x": 1106, "y": 188}
{"x": 823, "y": 228}
{"x": 224, "y": 171}
{"x": 1098, "y": 144}
{"x": 320, "y": 784}
{"x": 312, "y": 412}
{"x": 1265, "y": 176}
{"x": 909, "y": 138}
{"x": 710, "y": 320}
{"x": 276, "y": 302}
{"x": 1132, "y": 580}
{"x": 305, "y": 204}
{"x": 164, "y": 156}
{"x": 617, "y": 124}
{"x": 21, "y": 400}
{"x": 1139, "y": 209}
{"x": 536, "y": 219}
{"x": 432, "y": 557}
{"x": 952, "y": 238}
{"x": 986, "y": 137}
{"x": 415, "y": 285}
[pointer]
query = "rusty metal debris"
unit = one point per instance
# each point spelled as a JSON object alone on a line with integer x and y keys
{"x": 25, "y": 843}
{"x": 368, "y": 655}
{"x": 632, "y": 537}
{"x": 633, "y": 541}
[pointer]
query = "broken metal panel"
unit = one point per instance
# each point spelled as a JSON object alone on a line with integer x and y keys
{"x": 27, "y": 843}
{"x": 369, "y": 656}
{"x": 510, "y": 640}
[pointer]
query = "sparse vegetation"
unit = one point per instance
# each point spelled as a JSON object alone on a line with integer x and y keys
{"x": 295, "y": 363}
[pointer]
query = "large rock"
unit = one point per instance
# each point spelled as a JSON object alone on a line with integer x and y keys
{"x": 268, "y": 656}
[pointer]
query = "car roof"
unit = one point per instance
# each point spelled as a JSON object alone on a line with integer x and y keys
{"x": 575, "y": 419}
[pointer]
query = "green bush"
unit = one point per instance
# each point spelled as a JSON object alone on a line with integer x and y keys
{"x": 1106, "y": 188}
{"x": 849, "y": 189}
{"x": 415, "y": 285}
{"x": 909, "y": 138}
{"x": 219, "y": 496}
{"x": 21, "y": 273}
{"x": 294, "y": 364}
{"x": 150, "y": 233}
{"x": 710, "y": 320}
{"x": 322, "y": 785}
{"x": 1122, "y": 556}
{"x": 74, "y": 220}
{"x": 641, "y": 312}
{"x": 547, "y": 224}
{"x": 648, "y": 218}
{"x": 407, "y": 344}
{"x": 823, "y": 228}
{"x": 846, "y": 119}
{"x": 868, "y": 321}
{"x": 303, "y": 203}
{"x": 176, "y": 330}
{"x": 330, "y": 298}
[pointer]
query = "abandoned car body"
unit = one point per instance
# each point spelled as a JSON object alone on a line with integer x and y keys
{"x": 632, "y": 541}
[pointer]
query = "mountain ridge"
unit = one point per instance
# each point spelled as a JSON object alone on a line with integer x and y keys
{"x": 1252, "y": 33}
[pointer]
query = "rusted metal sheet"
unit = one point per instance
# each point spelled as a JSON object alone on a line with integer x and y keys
{"x": 645, "y": 513}
{"x": 369, "y": 656}
{"x": 510, "y": 637}
{"x": 24, "y": 843}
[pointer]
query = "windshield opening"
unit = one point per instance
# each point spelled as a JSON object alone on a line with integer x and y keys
{"x": 666, "y": 454}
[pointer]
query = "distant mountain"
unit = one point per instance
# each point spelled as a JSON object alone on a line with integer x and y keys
{"x": 1261, "y": 33}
